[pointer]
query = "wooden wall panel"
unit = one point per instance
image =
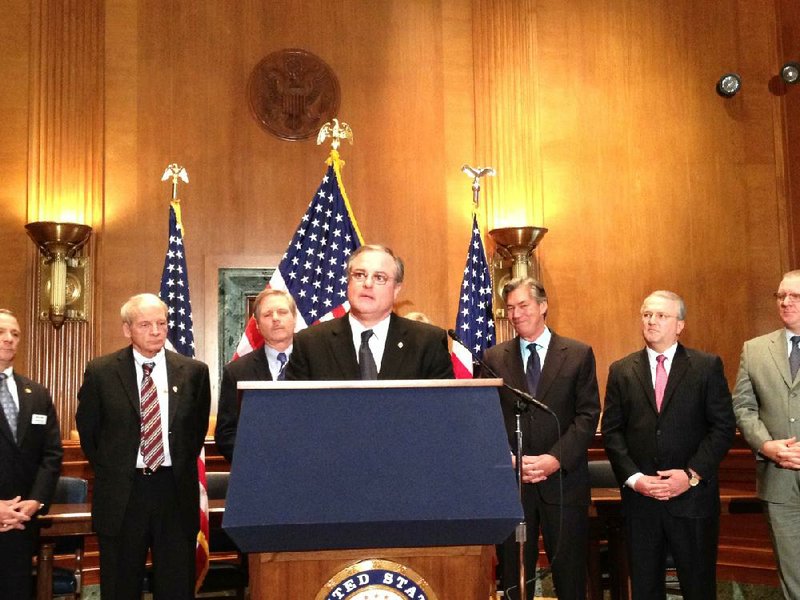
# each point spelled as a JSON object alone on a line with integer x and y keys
{"x": 14, "y": 69}
{"x": 789, "y": 139}
{"x": 648, "y": 178}
{"x": 183, "y": 98}
{"x": 600, "y": 118}
{"x": 65, "y": 171}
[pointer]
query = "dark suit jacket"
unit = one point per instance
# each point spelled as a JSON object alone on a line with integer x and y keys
{"x": 108, "y": 421}
{"x": 251, "y": 367}
{"x": 568, "y": 385}
{"x": 413, "y": 350}
{"x": 694, "y": 429}
{"x": 30, "y": 467}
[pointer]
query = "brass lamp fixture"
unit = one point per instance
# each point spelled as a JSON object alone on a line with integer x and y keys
{"x": 513, "y": 249}
{"x": 63, "y": 277}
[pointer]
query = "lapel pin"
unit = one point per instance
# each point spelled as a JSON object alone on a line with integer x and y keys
{"x": 28, "y": 390}
{"x": 399, "y": 344}
{"x": 175, "y": 388}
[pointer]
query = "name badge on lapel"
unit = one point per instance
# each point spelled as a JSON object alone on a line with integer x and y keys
{"x": 39, "y": 420}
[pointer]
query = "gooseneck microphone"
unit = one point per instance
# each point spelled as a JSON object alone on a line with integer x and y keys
{"x": 523, "y": 395}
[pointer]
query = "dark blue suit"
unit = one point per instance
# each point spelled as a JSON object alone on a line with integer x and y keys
{"x": 29, "y": 467}
{"x": 568, "y": 386}
{"x": 413, "y": 350}
{"x": 694, "y": 429}
{"x": 124, "y": 501}
{"x": 250, "y": 367}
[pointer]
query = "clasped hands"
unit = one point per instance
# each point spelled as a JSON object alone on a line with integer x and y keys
{"x": 16, "y": 512}
{"x": 537, "y": 468}
{"x": 786, "y": 453}
{"x": 665, "y": 485}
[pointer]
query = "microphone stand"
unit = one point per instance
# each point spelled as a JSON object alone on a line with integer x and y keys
{"x": 524, "y": 400}
{"x": 521, "y": 532}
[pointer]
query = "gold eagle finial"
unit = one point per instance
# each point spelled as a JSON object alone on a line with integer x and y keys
{"x": 338, "y": 132}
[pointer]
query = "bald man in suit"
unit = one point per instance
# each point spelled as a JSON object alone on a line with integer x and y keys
{"x": 766, "y": 400}
{"x": 30, "y": 462}
{"x": 371, "y": 342}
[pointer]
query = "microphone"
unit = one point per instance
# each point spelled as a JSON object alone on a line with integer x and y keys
{"x": 524, "y": 396}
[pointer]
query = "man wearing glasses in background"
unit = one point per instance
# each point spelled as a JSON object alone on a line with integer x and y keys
{"x": 667, "y": 425}
{"x": 371, "y": 342}
{"x": 766, "y": 401}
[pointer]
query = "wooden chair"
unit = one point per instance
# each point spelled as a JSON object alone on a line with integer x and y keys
{"x": 67, "y": 581}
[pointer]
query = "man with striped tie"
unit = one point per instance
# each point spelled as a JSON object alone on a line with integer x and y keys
{"x": 275, "y": 313}
{"x": 142, "y": 418}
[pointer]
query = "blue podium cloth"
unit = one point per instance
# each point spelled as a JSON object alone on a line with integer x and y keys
{"x": 369, "y": 467}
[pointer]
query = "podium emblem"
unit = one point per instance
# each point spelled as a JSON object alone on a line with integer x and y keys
{"x": 376, "y": 579}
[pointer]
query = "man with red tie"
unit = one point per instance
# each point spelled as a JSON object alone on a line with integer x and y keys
{"x": 142, "y": 418}
{"x": 667, "y": 424}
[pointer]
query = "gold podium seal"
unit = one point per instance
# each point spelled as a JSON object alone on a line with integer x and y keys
{"x": 376, "y": 579}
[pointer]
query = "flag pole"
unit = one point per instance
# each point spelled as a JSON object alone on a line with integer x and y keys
{"x": 521, "y": 532}
{"x": 180, "y": 336}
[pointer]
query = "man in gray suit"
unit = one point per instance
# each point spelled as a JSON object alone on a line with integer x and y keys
{"x": 766, "y": 401}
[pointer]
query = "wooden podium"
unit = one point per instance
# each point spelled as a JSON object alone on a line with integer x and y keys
{"x": 341, "y": 488}
{"x": 454, "y": 572}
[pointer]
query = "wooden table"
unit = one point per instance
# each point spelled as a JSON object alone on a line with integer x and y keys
{"x": 606, "y": 525}
{"x": 76, "y": 519}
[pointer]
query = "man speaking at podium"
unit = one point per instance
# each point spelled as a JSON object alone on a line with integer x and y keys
{"x": 371, "y": 342}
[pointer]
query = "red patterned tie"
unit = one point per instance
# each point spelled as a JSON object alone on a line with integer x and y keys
{"x": 152, "y": 442}
{"x": 661, "y": 380}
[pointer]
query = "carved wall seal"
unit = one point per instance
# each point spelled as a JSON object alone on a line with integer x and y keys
{"x": 292, "y": 93}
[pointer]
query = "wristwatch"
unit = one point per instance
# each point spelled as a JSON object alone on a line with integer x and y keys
{"x": 693, "y": 480}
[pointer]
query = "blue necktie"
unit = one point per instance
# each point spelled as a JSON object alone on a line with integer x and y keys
{"x": 282, "y": 371}
{"x": 533, "y": 370}
{"x": 9, "y": 406}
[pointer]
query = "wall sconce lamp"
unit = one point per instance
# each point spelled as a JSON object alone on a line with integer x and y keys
{"x": 790, "y": 73}
{"x": 63, "y": 278}
{"x": 729, "y": 85}
{"x": 514, "y": 247}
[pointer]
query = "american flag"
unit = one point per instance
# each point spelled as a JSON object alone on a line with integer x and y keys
{"x": 474, "y": 323}
{"x": 313, "y": 268}
{"x": 180, "y": 338}
{"x": 175, "y": 287}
